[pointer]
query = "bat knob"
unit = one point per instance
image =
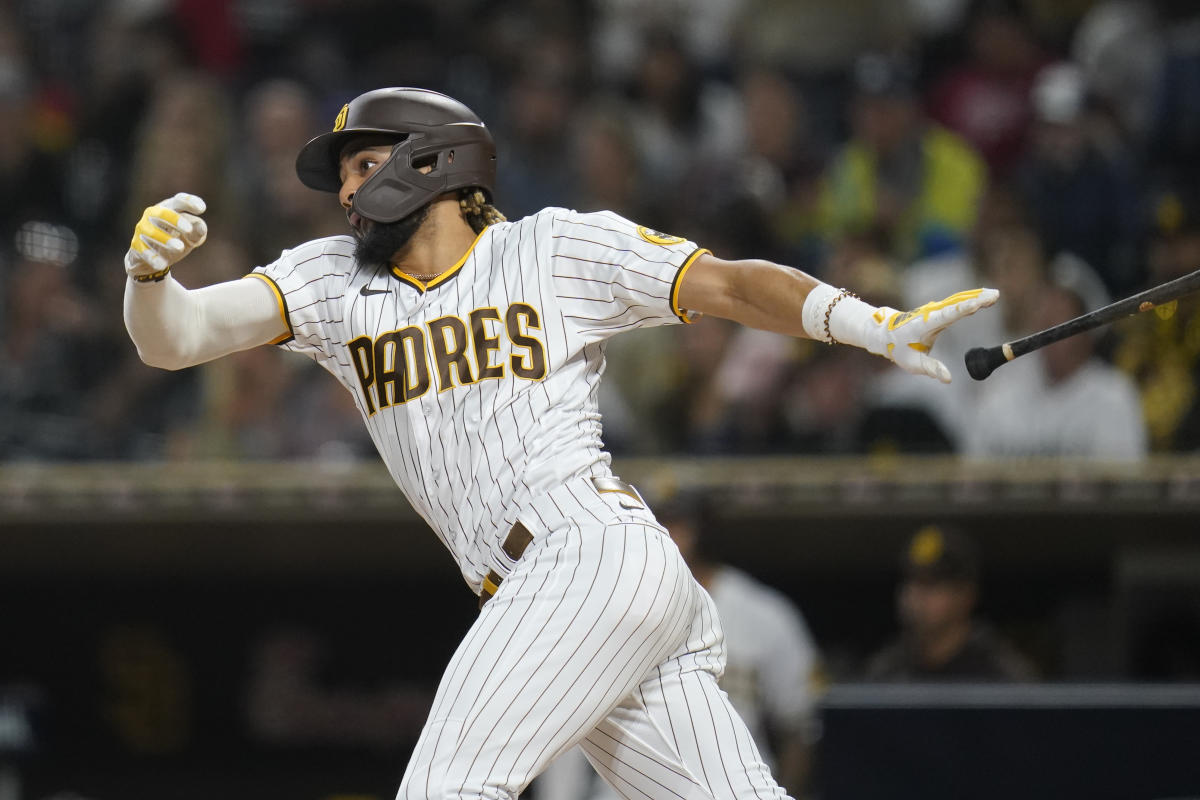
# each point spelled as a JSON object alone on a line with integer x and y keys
{"x": 982, "y": 361}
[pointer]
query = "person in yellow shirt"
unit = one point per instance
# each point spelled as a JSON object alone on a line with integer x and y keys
{"x": 900, "y": 174}
{"x": 1162, "y": 351}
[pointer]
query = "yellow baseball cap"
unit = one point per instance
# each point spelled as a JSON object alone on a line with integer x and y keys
{"x": 940, "y": 552}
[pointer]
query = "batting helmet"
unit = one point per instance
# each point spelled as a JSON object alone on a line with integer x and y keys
{"x": 430, "y": 128}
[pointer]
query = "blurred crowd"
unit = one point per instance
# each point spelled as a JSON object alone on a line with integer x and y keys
{"x": 907, "y": 149}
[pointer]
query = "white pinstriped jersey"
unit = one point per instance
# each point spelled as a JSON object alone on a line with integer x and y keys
{"x": 479, "y": 387}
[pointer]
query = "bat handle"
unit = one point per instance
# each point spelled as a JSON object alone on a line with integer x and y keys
{"x": 982, "y": 361}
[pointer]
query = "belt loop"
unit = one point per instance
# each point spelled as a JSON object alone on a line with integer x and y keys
{"x": 609, "y": 485}
{"x": 514, "y": 547}
{"x": 517, "y": 540}
{"x": 519, "y": 537}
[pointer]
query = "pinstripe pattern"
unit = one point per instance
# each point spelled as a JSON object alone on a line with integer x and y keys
{"x": 599, "y": 635}
{"x": 470, "y": 457}
{"x": 600, "y": 614}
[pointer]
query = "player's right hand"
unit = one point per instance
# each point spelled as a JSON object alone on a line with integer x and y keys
{"x": 166, "y": 233}
{"x": 906, "y": 337}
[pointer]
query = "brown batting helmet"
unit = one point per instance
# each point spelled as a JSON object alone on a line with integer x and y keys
{"x": 428, "y": 128}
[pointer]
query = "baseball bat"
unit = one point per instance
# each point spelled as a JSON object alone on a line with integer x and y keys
{"x": 982, "y": 361}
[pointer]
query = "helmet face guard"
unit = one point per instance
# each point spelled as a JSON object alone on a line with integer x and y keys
{"x": 398, "y": 188}
{"x": 434, "y": 129}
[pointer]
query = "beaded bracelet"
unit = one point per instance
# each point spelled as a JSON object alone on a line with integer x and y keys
{"x": 829, "y": 312}
{"x": 158, "y": 276}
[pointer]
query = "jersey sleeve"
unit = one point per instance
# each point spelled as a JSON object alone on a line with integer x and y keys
{"x": 309, "y": 283}
{"x": 612, "y": 275}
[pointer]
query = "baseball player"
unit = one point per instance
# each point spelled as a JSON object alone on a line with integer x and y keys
{"x": 473, "y": 347}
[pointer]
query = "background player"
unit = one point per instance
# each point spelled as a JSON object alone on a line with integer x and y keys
{"x": 473, "y": 347}
{"x": 941, "y": 638}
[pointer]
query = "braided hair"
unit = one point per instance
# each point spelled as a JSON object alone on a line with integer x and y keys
{"x": 478, "y": 212}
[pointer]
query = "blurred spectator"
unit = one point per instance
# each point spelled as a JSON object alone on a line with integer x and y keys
{"x": 772, "y": 670}
{"x": 678, "y": 117}
{"x": 941, "y": 639}
{"x": 900, "y": 173}
{"x": 622, "y": 31}
{"x": 130, "y": 48}
{"x": 326, "y": 425}
{"x": 823, "y": 403}
{"x": 661, "y": 394}
{"x": 607, "y": 169}
{"x": 43, "y": 352}
{"x": 1001, "y": 213}
{"x": 1174, "y": 139}
{"x": 29, "y": 175}
{"x": 832, "y": 33}
{"x": 1060, "y": 401}
{"x": 1084, "y": 199}
{"x": 698, "y": 411}
{"x": 260, "y": 404}
{"x": 213, "y": 35}
{"x": 1161, "y": 351}
{"x": 315, "y": 57}
{"x": 536, "y": 168}
{"x": 782, "y": 168}
{"x": 1118, "y": 45}
{"x": 279, "y": 117}
{"x": 936, "y": 30}
{"x": 1012, "y": 259}
{"x": 776, "y": 121}
{"x": 744, "y": 396}
{"x": 1053, "y": 21}
{"x": 986, "y": 99}
{"x": 643, "y": 392}
{"x": 184, "y": 141}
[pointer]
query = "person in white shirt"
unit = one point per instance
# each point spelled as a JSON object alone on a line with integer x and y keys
{"x": 1061, "y": 401}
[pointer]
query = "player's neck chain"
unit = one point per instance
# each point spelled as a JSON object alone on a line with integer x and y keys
{"x": 422, "y": 278}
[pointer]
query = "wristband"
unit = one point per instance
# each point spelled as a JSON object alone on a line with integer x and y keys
{"x": 814, "y": 317}
{"x": 860, "y": 324}
{"x": 837, "y": 316}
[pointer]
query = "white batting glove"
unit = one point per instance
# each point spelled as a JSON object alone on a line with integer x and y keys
{"x": 905, "y": 337}
{"x": 166, "y": 233}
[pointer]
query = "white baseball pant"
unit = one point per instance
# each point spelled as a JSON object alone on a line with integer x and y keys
{"x": 599, "y": 636}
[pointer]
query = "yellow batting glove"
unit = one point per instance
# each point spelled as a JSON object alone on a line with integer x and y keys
{"x": 904, "y": 337}
{"x": 907, "y": 336}
{"x": 166, "y": 233}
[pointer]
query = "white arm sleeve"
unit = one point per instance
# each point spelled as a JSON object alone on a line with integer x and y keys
{"x": 174, "y": 327}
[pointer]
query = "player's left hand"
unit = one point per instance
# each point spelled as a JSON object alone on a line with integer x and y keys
{"x": 906, "y": 337}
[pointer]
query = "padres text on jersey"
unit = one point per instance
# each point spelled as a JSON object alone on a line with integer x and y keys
{"x": 394, "y": 367}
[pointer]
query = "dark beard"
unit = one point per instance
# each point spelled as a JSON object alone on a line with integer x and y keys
{"x": 382, "y": 242}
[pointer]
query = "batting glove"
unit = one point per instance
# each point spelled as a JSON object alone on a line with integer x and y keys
{"x": 166, "y": 233}
{"x": 904, "y": 337}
